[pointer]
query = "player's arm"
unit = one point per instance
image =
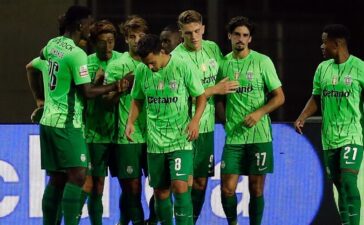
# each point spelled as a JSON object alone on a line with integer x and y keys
{"x": 91, "y": 91}
{"x": 35, "y": 81}
{"x": 273, "y": 103}
{"x": 310, "y": 109}
{"x": 135, "y": 109}
{"x": 193, "y": 126}
{"x": 225, "y": 86}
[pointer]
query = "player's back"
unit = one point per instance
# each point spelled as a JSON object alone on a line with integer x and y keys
{"x": 67, "y": 68}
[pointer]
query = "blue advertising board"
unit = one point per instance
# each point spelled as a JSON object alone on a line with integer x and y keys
{"x": 293, "y": 193}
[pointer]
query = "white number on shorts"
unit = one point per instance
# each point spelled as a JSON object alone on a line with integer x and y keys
{"x": 261, "y": 157}
{"x": 347, "y": 150}
{"x": 177, "y": 164}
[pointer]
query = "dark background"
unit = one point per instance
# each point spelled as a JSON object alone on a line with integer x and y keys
{"x": 287, "y": 31}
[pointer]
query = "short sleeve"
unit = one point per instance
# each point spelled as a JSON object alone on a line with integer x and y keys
{"x": 194, "y": 86}
{"x": 78, "y": 67}
{"x": 317, "y": 82}
{"x": 137, "y": 91}
{"x": 270, "y": 76}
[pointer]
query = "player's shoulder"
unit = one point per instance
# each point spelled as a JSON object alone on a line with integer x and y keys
{"x": 209, "y": 43}
{"x": 179, "y": 50}
{"x": 92, "y": 57}
{"x": 258, "y": 56}
{"x": 325, "y": 63}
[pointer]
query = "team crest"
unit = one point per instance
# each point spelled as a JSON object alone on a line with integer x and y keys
{"x": 223, "y": 164}
{"x": 250, "y": 75}
{"x": 335, "y": 80}
{"x": 348, "y": 80}
{"x": 173, "y": 85}
{"x": 213, "y": 63}
{"x": 203, "y": 67}
{"x": 236, "y": 75}
{"x": 83, "y": 157}
{"x": 129, "y": 169}
{"x": 160, "y": 85}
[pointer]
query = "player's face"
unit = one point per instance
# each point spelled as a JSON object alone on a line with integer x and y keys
{"x": 240, "y": 38}
{"x": 192, "y": 35}
{"x": 328, "y": 47}
{"x": 133, "y": 38}
{"x": 153, "y": 61}
{"x": 104, "y": 46}
{"x": 169, "y": 40}
{"x": 85, "y": 27}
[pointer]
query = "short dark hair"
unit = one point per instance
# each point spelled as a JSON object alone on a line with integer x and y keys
{"x": 240, "y": 21}
{"x": 101, "y": 27}
{"x": 171, "y": 28}
{"x": 337, "y": 31}
{"x": 74, "y": 15}
{"x": 150, "y": 43}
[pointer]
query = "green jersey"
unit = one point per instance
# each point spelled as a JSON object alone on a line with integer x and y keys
{"x": 166, "y": 95}
{"x": 340, "y": 87}
{"x": 257, "y": 77}
{"x": 67, "y": 68}
{"x": 99, "y": 116}
{"x": 116, "y": 71}
{"x": 205, "y": 65}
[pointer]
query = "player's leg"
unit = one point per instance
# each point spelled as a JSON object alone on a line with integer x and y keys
{"x": 180, "y": 167}
{"x": 260, "y": 163}
{"x": 129, "y": 172}
{"x": 332, "y": 164}
{"x": 351, "y": 158}
{"x": 52, "y": 196}
{"x": 73, "y": 157}
{"x": 159, "y": 179}
{"x": 231, "y": 167}
{"x": 203, "y": 167}
{"x": 99, "y": 154}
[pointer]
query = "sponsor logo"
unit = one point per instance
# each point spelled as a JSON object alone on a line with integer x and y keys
{"x": 203, "y": 67}
{"x": 349, "y": 163}
{"x": 207, "y": 80}
{"x": 57, "y": 53}
{"x": 223, "y": 164}
{"x": 336, "y": 94}
{"x": 236, "y": 75}
{"x": 180, "y": 174}
{"x": 334, "y": 80}
{"x": 261, "y": 169}
{"x": 83, "y": 71}
{"x": 244, "y": 89}
{"x": 160, "y": 85}
{"x": 65, "y": 45}
{"x": 164, "y": 100}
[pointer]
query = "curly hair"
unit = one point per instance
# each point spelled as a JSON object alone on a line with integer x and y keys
{"x": 101, "y": 27}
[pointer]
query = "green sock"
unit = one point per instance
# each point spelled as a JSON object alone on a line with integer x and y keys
{"x": 349, "y": 181}
{"x": 152, "y": 215}
{"x": 343, "y": 208}
{"x": 163, "y": 209}
{"x": 72, "y": 196}
{"x": 135, "y": 208}
{"x": 51, "y": 200}
{"x": 95, "y": 208}
{"x": 198, "y": 198}
{"x": 124, "y": 218}
{"x": 229, "y": 204}
{"x": 182, "y": 208}
{"x": 256, "y": 208}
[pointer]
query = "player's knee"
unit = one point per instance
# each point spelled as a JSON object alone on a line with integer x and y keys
{"x": 161, "y": 194}
{"x": 199, "y": 183}
{"x": 77, "y": 176}
{"x": 256, "y": 189}
{"x": 88, "y": 185}
{"x": 227, "y": 191}
{"x": 131, "y": 185}
{"x": 99, "y": 186}
{"x": 179, "y": 186}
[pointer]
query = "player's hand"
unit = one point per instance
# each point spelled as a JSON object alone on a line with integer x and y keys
{"x": 253, "y": 118}
{"x": 192, "y": 130}
{"x": 298, "y": 125}
{"x": 122, "y": 85}
{"x": 37, "y": 115}
{"x": 99, "y": 77}
{"x": 39, "y": 102}
{"x": 129, "y": 131}
{"x": 225, "y": 86}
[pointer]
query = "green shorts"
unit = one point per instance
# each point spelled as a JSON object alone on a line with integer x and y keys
{"x": 62, "y": 148}
{"x": 165, "y": 167}
{"x": 347, "y": 157}
{"x": 247, "y": 159}
{"x": 128, "y": 161}
{"x": 203, "y": 155}
{"x": 99, "y": 158}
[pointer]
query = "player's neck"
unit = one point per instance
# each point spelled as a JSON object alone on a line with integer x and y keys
{"x": 342, "y": 56}
{"x": 241, "y": 54}
{"x": 165, "y": 58}
{"x": 134, "y": 56}
{"x": 75, "y": 36}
